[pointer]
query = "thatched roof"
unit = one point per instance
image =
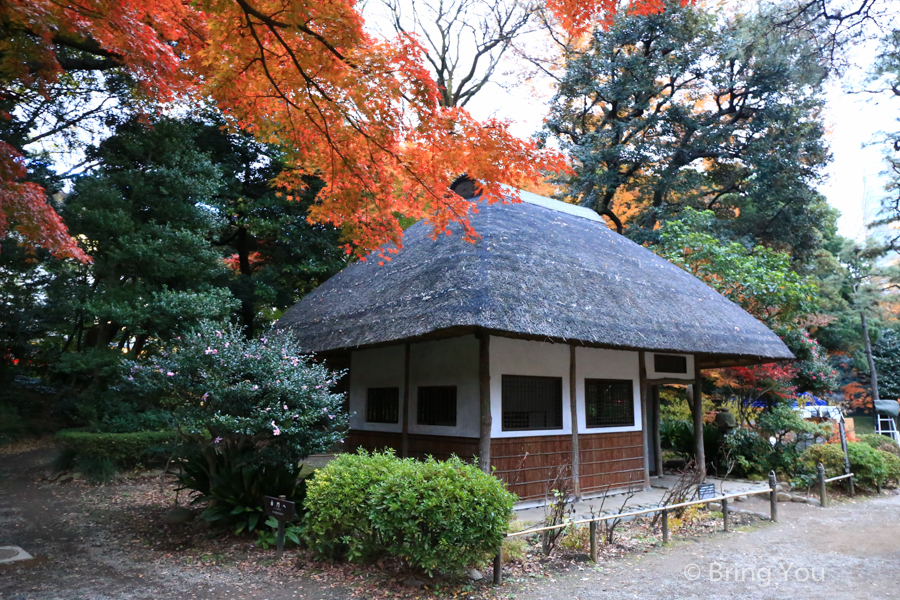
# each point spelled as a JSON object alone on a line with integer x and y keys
{"x": 542, "y": 270}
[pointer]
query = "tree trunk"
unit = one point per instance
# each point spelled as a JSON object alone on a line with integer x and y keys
{"x": 874, "y": 379}
{"x": 247, "y": 309}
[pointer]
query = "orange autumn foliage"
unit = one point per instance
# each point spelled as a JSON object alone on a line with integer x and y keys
{"x": 857, "y": 396}
{"x": 361, "y": 113}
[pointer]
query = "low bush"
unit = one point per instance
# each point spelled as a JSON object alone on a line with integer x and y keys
{"x": 869, "y": 466}
{"x": 232, "y": 486}
{"x": 12, "y": 425}
{"x": 750, "y": 452}
{"x": 100, "y": 455}
{"x": 439, "y": 516}
{"x": 880, "y": 442}
{"x": 337, "y": 502}
{"x": 678, "y": 436}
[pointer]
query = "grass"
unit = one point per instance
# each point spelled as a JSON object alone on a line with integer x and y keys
{"x": 862, "y": 424}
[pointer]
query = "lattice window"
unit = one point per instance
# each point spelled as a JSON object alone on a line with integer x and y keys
{"x": 670, "y": 363}
{"x": 437, "y": 405}
{"x": 531, "y": 403}
{"x": 609, "y": 402}
{"x": 383, "y": 405}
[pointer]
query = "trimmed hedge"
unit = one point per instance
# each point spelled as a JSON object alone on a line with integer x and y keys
{"x": 439, "y": 516}
{"x": 123, "y": 449}
{"x": 880, "y": 442}
{"x": 869, "y": 466}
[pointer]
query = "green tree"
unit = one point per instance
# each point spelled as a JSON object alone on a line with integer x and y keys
{"x": 693, "y": 108}
{"x": 759, "y": 279}
{"x": 275, "y": 256}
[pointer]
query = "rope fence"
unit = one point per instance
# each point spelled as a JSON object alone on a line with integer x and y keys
{"x": 772, "y": 491}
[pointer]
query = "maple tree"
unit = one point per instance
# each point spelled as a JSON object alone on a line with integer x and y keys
{"x": 363, "y": 114}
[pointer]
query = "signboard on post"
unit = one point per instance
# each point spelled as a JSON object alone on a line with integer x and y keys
{"x": 283, "y": 510}
{"x": 279, "y": 508}
{"x": 705, "y": 491}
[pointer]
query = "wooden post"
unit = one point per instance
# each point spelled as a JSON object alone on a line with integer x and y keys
{"x": 665, "y": 525}
{"x": 726, "y": 520}
{"x": 573, "y": 402}
{"x": 850, "y": 480}
{"x": 593, "y": 532}
{"x": 498, "y": 567}
{"x": 645, "y": 420}
{"x": 404, "y": 436}
{"x": 484, "y": 394}
{"x": 697, "y": 413}
{"x": 846, "y": 454}
{"x": 279, "y": 537}
{"x": 773, "y": 497}
{"x": 654, "y": 426}
{"x": 820, "y": 473}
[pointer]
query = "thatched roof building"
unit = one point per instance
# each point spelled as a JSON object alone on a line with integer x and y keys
{"x": 540, "y": 348}
{"x": 542, "y": 270}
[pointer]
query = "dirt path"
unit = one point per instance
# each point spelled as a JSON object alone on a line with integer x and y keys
{"x": 847, "y": 551}
{"x": 96, "y": 545}
{"x": 90, "y": 548}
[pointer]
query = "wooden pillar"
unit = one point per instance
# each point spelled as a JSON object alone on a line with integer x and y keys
{"x": 697, "y": 413}
{"x": 645, "y": 420}
{"x": 404, "y": 419}
{"x": 654, "y": 426}
{"x": 484, "y": 395}
{"x": 573, "y": 402}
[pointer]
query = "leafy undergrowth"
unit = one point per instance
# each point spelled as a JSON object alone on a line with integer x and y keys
{"x": 130, "y": 518}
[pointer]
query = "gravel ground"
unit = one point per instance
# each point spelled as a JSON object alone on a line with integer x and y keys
{"x": 99, "y": 543}
{"x": 850, "y": 550}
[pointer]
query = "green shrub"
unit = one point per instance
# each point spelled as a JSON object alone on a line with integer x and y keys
{"x": 869, "y": 466}
{"x": 12, "y": 425}
{"x": 892, "y": 467}
{"x": 232, "y": 486}
{"x": 750, "y": 452}
{"x": 679, "y": 436}
{"x": 441, "y": 515}
{"x": 337, "y": 501}
{"x": 123, "y": 449}
{"x": 880, "y": 442}
{"x": 437, "y": 515}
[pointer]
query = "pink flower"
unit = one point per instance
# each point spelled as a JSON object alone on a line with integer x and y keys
{"x": 285, "y": 407}
{"x": 255, "y": 387}
{"x": 217, "y": 440}
{"x": 204, "y": 396}
{"x": 170, "y": 374}
{"x": 276, "y": 430}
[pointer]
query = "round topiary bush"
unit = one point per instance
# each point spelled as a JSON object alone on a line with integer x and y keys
{"x": 438, "y": 516}
{"x": 441, "y": 515}
{"x": 337, "y": 522}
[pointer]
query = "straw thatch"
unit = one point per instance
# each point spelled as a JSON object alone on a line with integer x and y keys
{"x": 542, "y": 270}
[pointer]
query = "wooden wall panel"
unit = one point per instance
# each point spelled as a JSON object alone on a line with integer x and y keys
{"x": 611, "y": 460}
{"x": 529, "y": 465}
{"x": 420, "y": 446}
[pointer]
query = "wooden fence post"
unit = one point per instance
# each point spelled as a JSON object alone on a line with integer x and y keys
{"x": 773, "y": 497}
{"x": 726, "y": 520}
{"x": 665, "y": 525}
{"x": 593, "y": 534}
{"x": 498, "y": 567}
{"x": 820, "y": 474}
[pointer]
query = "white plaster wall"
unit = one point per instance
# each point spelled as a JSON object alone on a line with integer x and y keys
{"x": 452, "y": 361}
{"x": 522, "y": 357}
{"x": 378, "y": 367}
{"x": 599, "y": 363}
{"x": 652, "y": 374}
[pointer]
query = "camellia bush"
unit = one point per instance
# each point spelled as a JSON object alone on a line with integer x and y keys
{"x": 248, "y": 411}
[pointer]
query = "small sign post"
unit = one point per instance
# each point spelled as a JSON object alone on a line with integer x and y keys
{"x": 705, "y": 491}
{"x": 283, "y": 510}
